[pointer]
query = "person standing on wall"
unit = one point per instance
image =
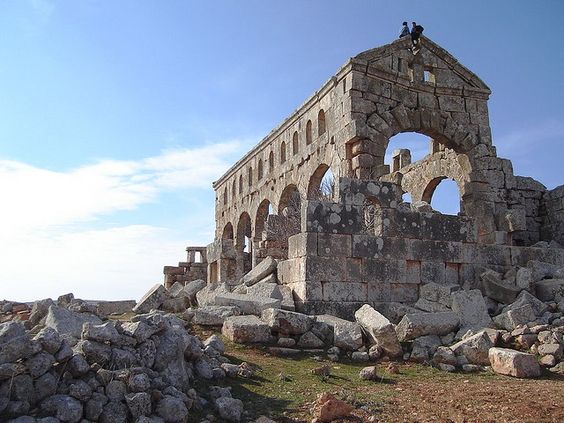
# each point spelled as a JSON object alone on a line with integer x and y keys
{"x": 404, "y": 32}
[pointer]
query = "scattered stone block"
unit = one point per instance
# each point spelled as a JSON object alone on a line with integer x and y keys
{"x": 347, "y": 335}
{"x": 248, "y": 304}
{"x": 379, "y": 330}
{"x": 471, "y": 309}
{"x": 308, "y": 341}
{"x": 415, "y": 325}
{"x": 430, "y": 306}
{"x": 438, "y": 293}
{"x": 369, "y": 373}
{"x": 152, "y": 300}
{"x": 510, "y": 319}
{"x": 424, "y": 347}
{"x": 246, "y": 330}
{"x": 493, "y": 287}
{"x": 550, "y": 290}
{"x": 525, "y": 298}
{"x": 287, "y": 322}
{"x": 509, "y": 362}
{"x": 67, "y": 323}
{"x": 213, "y": 315}
{"x": 260, "y": 271}
{"x": 475, "y": 348}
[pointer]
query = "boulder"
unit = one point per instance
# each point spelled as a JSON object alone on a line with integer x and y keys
{"x": 68, "y": 323}
{"x": 328, "y": 408}
{"x": 550, "y": 290}
{"x": 260, "y": 271}
{"x": 346, "y": 335}
{"x": 510, "y": 319}
{"x": 309, "y": 341}
{"x": 268, "y": 289}
{"x": 105, "y": 308}
{"x": 39, "y": 310}
{"x": 379, "y": 330}
{"x": 229, "y": 409}
{"x": 475, "y": 348}
{"x": 424, "y": 347}
{"x": 287, "y": 322}
{"x": 63, "y": 407}
{"x": 246, "y": 330}
{"x": 213, "y": 315}
{"x": 509, "y": 362}
{"x": 496, "y": 289}
{"x": 206, "y": 295}
{"x": 471, "y": 309}
{"x": 104, "y": 333}
{"x": 525, "y": 298}
{"x": 444, "y": 355}
{"x": 152, "y": 300}
{"x": 415, "y": 325}
{"x": 14, "y": 342}
{"x": 172, "y": 409}
{"x": 369, "y": 373}
{"x": 192, "y": 288}
{"x": 438, "y": 293}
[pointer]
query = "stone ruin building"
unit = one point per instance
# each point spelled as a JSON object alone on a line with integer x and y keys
{"x": 358, "y": 243}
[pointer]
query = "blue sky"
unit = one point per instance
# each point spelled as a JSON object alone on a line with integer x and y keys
{"x": 115, "y": 117}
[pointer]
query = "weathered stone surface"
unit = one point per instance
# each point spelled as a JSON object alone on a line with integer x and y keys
{"x": 105, "y": 308}
{"x": 510, "y": 319}
{"x": 247, "y": 303}
{"x": 68, "y": 323}
{"x": 440, "y": 293}
{"x": 424, "y": 347}
{"x": 550, "y": 290}
{"x": 63, "y": 407}
{"x": 430, "y": 306}
{"x": 309, "y": 341}
{"x": 229, "y": 409}
{"x": 49, "y": 339}
{"x": 379, "y": 330}
{"x": 525, "y": 298}
{"x": 206, "y": 295}
{"x": 369, "y": 373}
{"x": 39, "y": 311}
{"x": 474, "y": 348}
{"x": 14, "y": 342}
{"x": 444, "y": 355}
{"x": 39, "y": 364}
{"x": 151, "y": 300}
{"x": 347, "y": 335}
{"x": 213, "y": 315}
{"x": 287, "y": 322}
{"x": 415, "y": 325}
{"x": 496, "y": 289}
{"x": 192, "y": 288}
{"x": 246, "y": 330}
{"x": 513, "y": 363}
{"x": 105, "y": 332}
{"x": 260, "y": 271}
{"x": 471, "y": 309}
{"x": 328, "y": 408}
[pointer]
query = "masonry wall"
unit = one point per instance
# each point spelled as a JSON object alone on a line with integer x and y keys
{"x": 552, "y": 215}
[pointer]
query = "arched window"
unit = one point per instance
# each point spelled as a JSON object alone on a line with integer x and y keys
{"x": 308, "y": 132}
{"x": 443, "y": 195}
{"x": 295, "y": 143}
{"x": 321, "y": 184}
{"x": 228, "y": 231}
{"x": 321, "y": 123}
{"x": 240, "y": 184}
{"x": 271, "y": 162}
{"x": 260, "y": 171}
{"x": 283, "y": 152}
{"x": 225, "y": 196}
{"x": 250, "y": 172}
{"x": 234, "y": 189}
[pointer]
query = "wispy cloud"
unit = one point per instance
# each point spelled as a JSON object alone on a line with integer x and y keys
{"x": 525, "y": 139}
{"x": 42, "y": 253}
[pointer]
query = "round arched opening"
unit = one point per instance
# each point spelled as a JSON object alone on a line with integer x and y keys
{"x": 322, "y": 184}
{"x": 443, "y": 195}
{"x": 406, "y": 148}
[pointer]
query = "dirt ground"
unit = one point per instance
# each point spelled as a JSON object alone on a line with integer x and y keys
{"x": 285, "y": 389}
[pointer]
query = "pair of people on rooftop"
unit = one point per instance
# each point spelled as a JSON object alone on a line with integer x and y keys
{"x": 416, "y": 31}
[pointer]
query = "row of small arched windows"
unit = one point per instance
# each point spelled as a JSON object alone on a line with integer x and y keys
{"x": 321, "y": 129}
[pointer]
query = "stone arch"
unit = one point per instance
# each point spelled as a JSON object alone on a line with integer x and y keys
{"x": 431, "y": 187}
{"x": 227, "y": 231}
{"x": 315, "y": 183}
{"x": 225, "y": 196}
{"x": 295, "y": 143}
{"x": 309, "y": 135}
{"x": 271, "y": 162}
{"x": 321, "y": 127}
{"x": 260, "y": 171}
{"x": 243, "y": 244}
{"x": 250, "y": 176}
{"x": 283, "y": 152}
{"x": 240, "y": 184}
{"x": 291, "y": 195}
{"x": 234, "y": 189}
{"x": 260, "y": 218}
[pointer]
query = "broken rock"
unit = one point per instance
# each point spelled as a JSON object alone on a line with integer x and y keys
{"x": 151, "y": 300}
{"x": 246, "y": 330}
{"x": 513, "y": 363}
{"x": 379, "y": 330}
{"x": 415, "y": 325}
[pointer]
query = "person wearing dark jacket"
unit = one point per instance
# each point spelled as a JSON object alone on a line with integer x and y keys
{"x": 404, "y": 32}
{"x": 416, "y": 32}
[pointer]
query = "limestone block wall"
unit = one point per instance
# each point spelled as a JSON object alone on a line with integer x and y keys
{"x": 552, "y": 215}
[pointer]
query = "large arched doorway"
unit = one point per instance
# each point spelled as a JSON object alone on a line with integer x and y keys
{"x": 322, "y": 184}
{"x": 243, "y": 244}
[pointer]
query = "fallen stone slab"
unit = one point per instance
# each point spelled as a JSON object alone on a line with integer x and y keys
{"x": 284, "y": 351}
{"x": 248, "y": 304}
{"x": 192, "y": 288}
{"x": 510, "y": 319}
{"x": 493, "y": 287}
{"x": 246, "y": 330}
{"x": 175, "y": 290}
{"x": 152, "y": 300}
{"x": 14, "y": 342}
{"x": 105, "y": 308}
{"x": 550, "y": 290}
{"x": 309, "y": 341}
{"x": 260, "y": 271}
{"x": 509, "y": 362}
{"x": 328, "y": 408}
{"x": 287, "y": 322}
{"x": 206, "y": 296}
{"x": 346, "y": 335}
{"x": 379, "y": 330}
{"x": 68, "y": 323}
{"x": 525, "y": 298}
{"x": 213, "y": 315}
{"x": 471, "y": 309}
{"x": 474, "y": 348}
{"x": 268, "y": 289}
{"x": 415, "y": 325}
{"x": 424, "y": 347}
{"x": 438, "y": 293}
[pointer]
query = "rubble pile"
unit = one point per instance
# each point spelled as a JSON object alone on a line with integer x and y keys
{"x": 72, "y": 366}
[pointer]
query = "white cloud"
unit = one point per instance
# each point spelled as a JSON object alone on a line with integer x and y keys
{"x": 43, "y": 254}
{"x": 524, "y": 140}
